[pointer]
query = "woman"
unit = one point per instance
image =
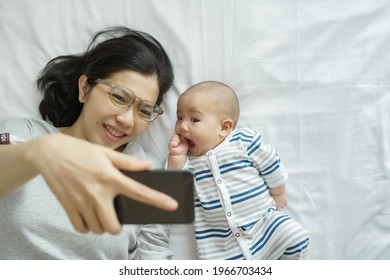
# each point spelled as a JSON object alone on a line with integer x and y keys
{"x": 95, "y": 105}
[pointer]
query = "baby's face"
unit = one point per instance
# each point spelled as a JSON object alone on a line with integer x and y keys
{"x": 198, "y": 123}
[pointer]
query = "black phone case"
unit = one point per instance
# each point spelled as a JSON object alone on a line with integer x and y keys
{"x": 179, "y": 184}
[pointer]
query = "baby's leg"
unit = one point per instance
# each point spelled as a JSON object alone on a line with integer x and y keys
{"x": 295, "y": 240}
{"x": 277, "y": 236}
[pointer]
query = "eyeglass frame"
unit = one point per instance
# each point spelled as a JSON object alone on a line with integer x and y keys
{"x": 157, "y": 108}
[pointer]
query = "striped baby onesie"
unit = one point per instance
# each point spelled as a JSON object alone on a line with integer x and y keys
{"x": 235, "y": 215}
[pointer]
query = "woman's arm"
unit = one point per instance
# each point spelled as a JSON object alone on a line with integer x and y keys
{"x": 16, "y": 166}
{"x": 153, "y": 242}
{"x": 85, "y": 178}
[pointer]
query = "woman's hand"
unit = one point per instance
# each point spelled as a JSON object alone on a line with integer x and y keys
{"x": 85, "y": 178}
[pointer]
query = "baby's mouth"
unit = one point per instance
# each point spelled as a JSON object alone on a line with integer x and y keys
{"x": 190, "y": 143}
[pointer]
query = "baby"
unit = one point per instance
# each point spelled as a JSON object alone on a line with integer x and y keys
{"x": 240, "y": 180}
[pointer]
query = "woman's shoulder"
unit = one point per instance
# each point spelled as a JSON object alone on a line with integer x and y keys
{"x": 27, "y": 122}
{"x": 26, "y": 128}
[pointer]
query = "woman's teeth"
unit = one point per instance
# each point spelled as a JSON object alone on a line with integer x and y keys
{"x": 113, "y": 131}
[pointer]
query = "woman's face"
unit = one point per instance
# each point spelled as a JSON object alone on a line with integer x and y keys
{"x": 102, "y": 122}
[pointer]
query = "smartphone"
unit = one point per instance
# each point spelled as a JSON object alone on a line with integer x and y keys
{"x": 178, "y": 184}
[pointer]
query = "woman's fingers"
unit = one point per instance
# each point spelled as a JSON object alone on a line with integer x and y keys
{"x": 104, "y": 218}
{"x": 87, "y": 178}
{"x": 135, "y": 190}
{"x": 107, "y": 217}
{"x": 142, "y": 193}
{"x": 76, "y": 218}
{"x": 92, "y": 219}
{"x": 126, "y": 162}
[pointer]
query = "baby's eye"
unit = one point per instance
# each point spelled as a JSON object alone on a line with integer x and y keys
{"x": 179, "y": 118}
{"x": 194, "y": 120}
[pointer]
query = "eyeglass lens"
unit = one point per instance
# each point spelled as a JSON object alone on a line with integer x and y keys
{"x": 146, "y": 110}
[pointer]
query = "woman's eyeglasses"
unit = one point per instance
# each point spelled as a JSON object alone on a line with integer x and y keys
{"x": 124, "y": 98}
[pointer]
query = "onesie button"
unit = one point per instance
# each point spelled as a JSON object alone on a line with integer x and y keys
{"x": 228, "y": 214}
{"x": 237, "y": 234}
{"x": 209, "y": 154}
{"x": 219, "y": 181}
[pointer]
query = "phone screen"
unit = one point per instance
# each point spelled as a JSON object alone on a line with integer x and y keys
{"x": 178, "y": 184}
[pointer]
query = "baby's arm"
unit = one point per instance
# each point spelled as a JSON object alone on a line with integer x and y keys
{"x": 279, "y": 195}
{"x": 178, "y": 149}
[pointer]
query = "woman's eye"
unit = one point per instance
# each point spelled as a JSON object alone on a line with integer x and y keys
{"x": 194, "y": 120}
{"x": 119, "y": 98}
{"x": 179, "y": 118}
{"x": 145, "y": 112}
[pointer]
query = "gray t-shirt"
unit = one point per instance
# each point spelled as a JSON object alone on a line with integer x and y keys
{"x": 34, "y": 225}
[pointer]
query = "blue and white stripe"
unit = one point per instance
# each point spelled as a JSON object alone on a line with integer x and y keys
{"x": 232, "y": 202}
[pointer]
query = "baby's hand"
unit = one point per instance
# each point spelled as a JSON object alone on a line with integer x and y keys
{"x": 280, "y": 201}
{"x": 178, "y": 145}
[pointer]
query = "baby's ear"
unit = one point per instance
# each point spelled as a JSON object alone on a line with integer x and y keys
{"x": 226, "y": 127}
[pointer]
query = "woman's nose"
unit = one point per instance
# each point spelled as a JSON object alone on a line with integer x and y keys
{"x": 127, "y": 117}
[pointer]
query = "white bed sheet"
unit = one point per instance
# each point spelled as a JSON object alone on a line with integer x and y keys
{"x": 311, "y": 76}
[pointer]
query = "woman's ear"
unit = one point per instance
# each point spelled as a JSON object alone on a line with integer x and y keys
{"x": 84, "y": 88}
{"x": 226, "y": 127}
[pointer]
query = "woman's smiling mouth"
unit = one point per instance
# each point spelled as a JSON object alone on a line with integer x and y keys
{"x": 114, "y": 134}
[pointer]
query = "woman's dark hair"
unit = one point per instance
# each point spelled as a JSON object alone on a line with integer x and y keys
{"x": 110, "y": 51}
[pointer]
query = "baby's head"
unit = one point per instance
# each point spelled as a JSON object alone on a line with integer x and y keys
{"x": 206, "y": 113}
